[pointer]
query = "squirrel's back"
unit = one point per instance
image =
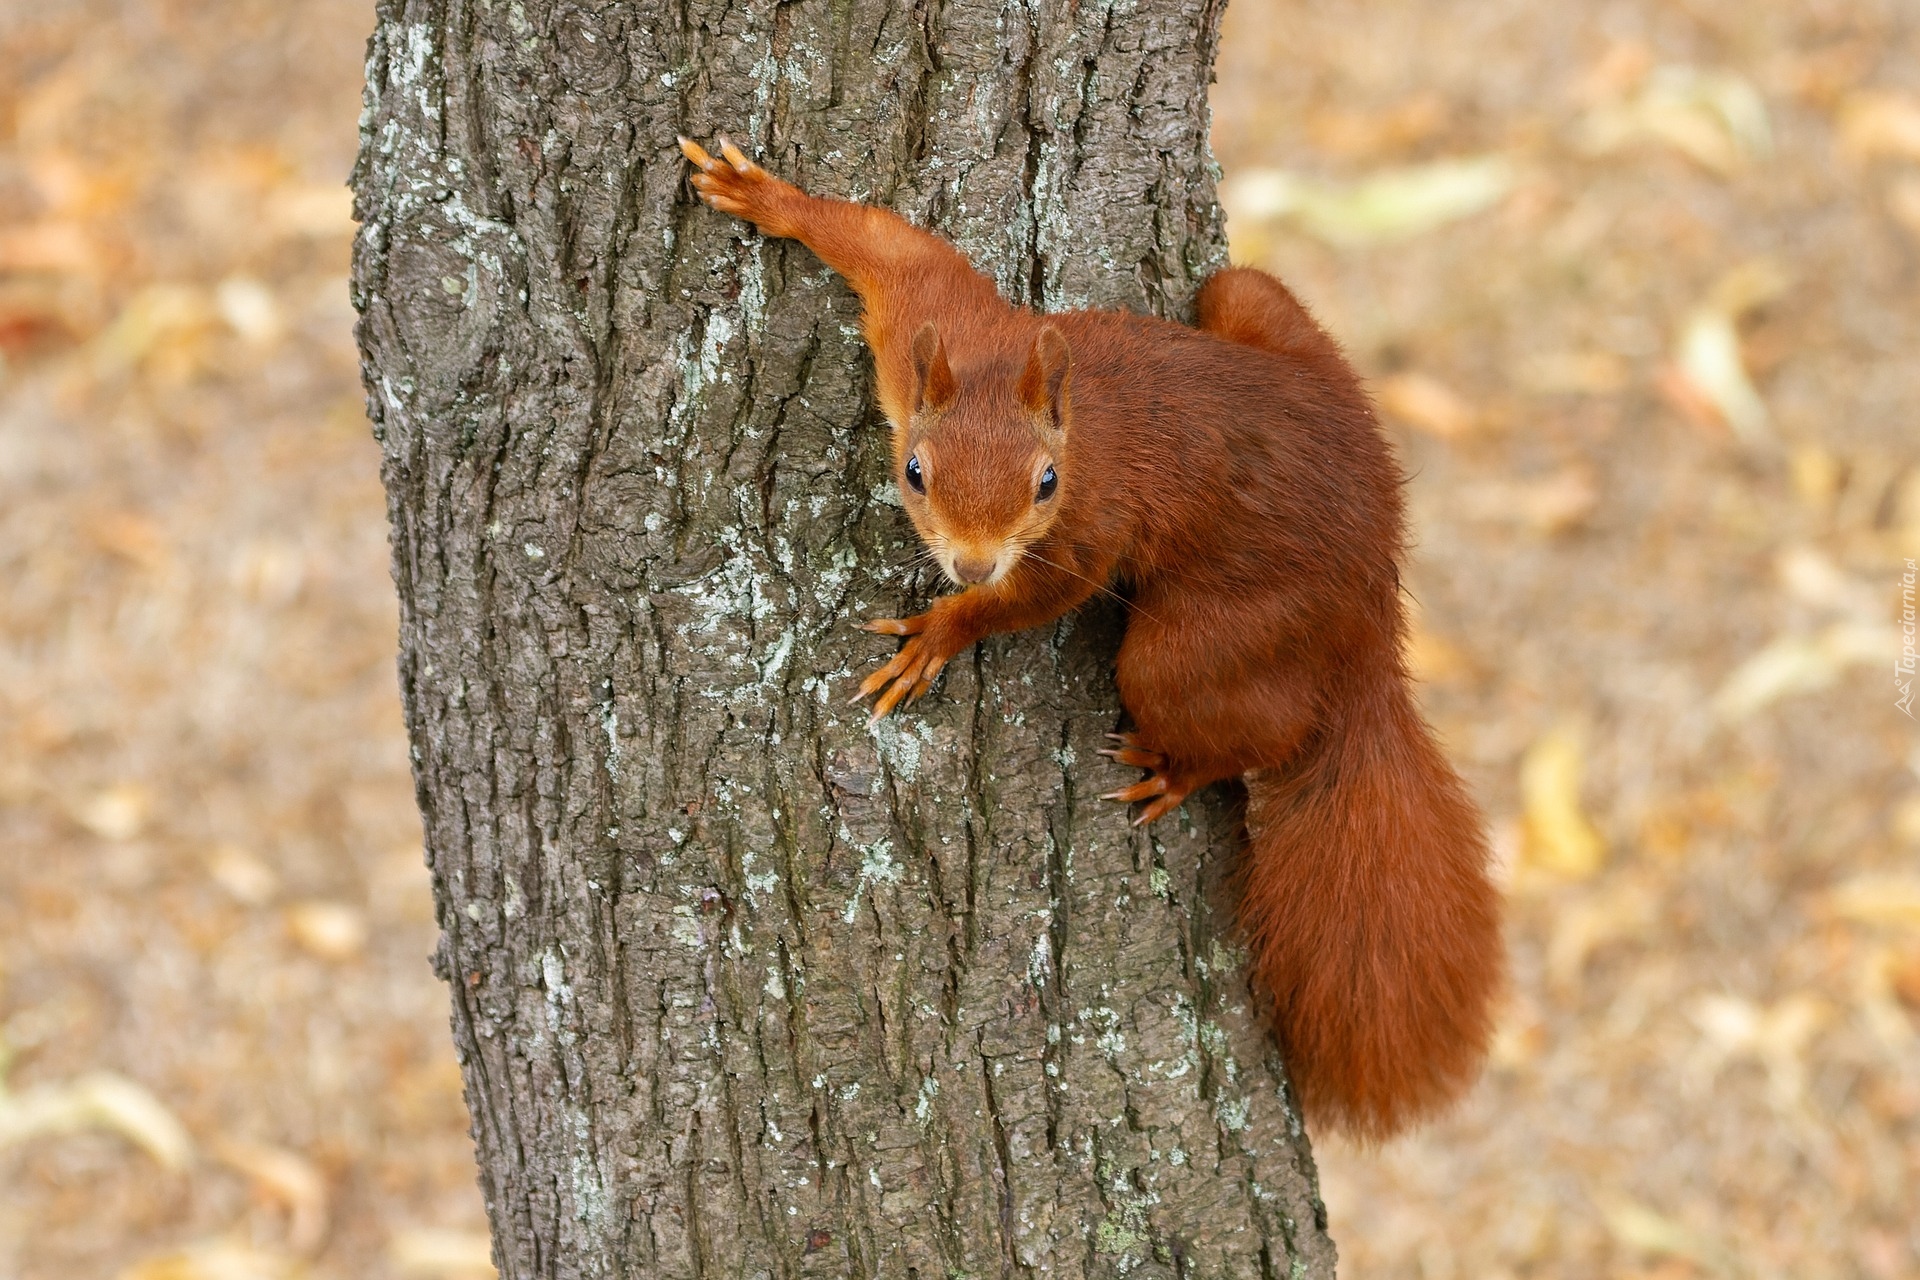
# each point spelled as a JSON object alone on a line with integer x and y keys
{"x": 1239, "y": 468}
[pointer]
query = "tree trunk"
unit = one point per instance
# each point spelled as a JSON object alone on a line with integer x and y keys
{"x": 742, "y": 987}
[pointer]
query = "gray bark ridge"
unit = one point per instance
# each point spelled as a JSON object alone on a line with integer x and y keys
{"x": 740, "y": 986}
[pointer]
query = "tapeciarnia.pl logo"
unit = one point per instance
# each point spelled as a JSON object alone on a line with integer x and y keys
{"x": 1903, "y": 665}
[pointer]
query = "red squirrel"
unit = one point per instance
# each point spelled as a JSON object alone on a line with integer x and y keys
{"x": 1232, "y": 478}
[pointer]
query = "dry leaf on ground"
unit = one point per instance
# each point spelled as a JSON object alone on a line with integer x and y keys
{"x": 250, "y": 881}
{"x": 432, "y": 1251}
{"x": 117, "y": 813}
{"x": 216, "y": 1260}
{"x": 100, "y": 1100}
{"x": 1802, "y": 664}
{"x": 1880, "y": 123}
{"x": 1559, "y": 838}
{"x": 1876, "y": 899}
{"x": 1715, "y": 118}
{"x": 292, "y": 1180}
{"x": 1424, "y": 402}
{"x": 1391, "y": 204}
{"x": 1646, "y": 1231}
{"x": 1811, "y": 577}
{"x": 330, "y": 930}
{"x": 1575, "y": 373}
{"x": 1775, "y": 1035}
{"x": 1616, "y": 912}
{"x": 1551, "y": 504}
{"x": 1708, "y": 361}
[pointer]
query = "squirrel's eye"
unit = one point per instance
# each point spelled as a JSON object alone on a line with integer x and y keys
{"x": 914, "y": 477}
{"x": 1048, "y": 483}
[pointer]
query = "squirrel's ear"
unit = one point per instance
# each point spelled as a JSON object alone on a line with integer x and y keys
{"x": 1043, "y": 387}
{"x": 933, "y": 386}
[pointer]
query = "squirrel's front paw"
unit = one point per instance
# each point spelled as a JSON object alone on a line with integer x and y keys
{"x": 734, "y": 184}
{"x": 912, "y": 670}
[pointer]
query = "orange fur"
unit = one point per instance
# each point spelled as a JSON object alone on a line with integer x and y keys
{"x": 1233, "y": 478}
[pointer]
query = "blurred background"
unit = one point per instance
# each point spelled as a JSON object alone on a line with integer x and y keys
{"x": 1636, "y": 286}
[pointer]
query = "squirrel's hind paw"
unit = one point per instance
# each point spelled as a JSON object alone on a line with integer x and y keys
{"x": 1162, "y": 794}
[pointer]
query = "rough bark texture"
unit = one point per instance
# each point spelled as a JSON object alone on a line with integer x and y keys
{"x": 740, "y": 986}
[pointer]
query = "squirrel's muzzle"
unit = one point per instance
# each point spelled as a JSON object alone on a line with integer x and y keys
{"x": 971, "y": 570}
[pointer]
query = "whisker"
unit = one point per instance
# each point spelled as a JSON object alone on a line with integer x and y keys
{"x": 1099, "y": 587}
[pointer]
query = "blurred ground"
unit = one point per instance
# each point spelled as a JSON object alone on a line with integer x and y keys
{"x": 210, "y": 876}
{"x": 1659, "y": 397}
{"x": 1637, "y": 287}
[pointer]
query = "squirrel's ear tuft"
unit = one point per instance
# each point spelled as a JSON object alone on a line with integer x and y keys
{"x": 1043, "y": 387}
{"x": 933, "y": 385}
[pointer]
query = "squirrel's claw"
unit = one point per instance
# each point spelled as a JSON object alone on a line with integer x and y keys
{"x": 733, "y": 183}
{"x": 1134, "y": 757}
{"x": 1162, "y": 795}
{"x": 1159, "y": 808}
{"x": 1146, "y": 789}
{"x": 696, "y": 153}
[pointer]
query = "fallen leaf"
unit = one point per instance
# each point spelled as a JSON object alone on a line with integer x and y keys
{"x": 1801, "y": 664}
{"x": 1550, "y": 505}
{"x": 291, "y": 1179}
{"x": 1903, "y": 977}
{"x": 118, "y": 813}
{"x": 1426, "y": 403}
{"x": 1906, "y": 522}
{"x": 1876, "y": 899}
{"x": 1518, "y": 1038}
{"x": 1880, "y": 123}
{"x": 1715, "y": 118}
{"x": 1392, "y": 204}
{"x": 1903, "y": 202}
{"x": 1575, "y": 372}
{"x": 1433, "y": 659}
{"x": 216, "y": 1260}
{"x": 250, "y": 310}
{"x": 432, "y": 1251}
{"x": 1708, "y": 359}
{"x": 1581, "y": 929}
{"x": 1774, "y": 1035}
{"x": 1371, "y": 133}
{"x": 330, "y": 930}
{"x": 1617, "y": 72}
{"x": 58, "y": 247}
{"x": 132, "y": 537}
{"x": 316, "y": 211}
{"x": 268, "y": 570}
{"x": 1906, "y": 821}
{"x": 1811, "y": 577}
{"x": 1558, "y": 836}
{"x": 98, "y": 1100}
{"x": 1822, "y": 76}
{"x": 1640, "y": 1228}
{"x": 250, "y": 881}
{"x": 1887, "y": 986}
{"x": 160, "y": 320}
{"x": 1816, "y": 475}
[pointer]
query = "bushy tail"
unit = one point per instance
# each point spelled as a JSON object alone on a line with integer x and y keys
{"x": 1250, "y": 307}
{"x": 1371, "y": 920}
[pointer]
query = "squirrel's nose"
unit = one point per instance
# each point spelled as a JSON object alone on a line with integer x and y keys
{"x": 970, "y": 570}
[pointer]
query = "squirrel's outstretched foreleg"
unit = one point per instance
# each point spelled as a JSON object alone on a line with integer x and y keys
{"x": 905, "y": 277}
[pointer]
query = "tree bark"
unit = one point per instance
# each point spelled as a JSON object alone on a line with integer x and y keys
{"x": 740, "y": 986}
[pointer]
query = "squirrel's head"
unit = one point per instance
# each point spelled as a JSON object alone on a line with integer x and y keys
{"x": 980, "y": 463}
